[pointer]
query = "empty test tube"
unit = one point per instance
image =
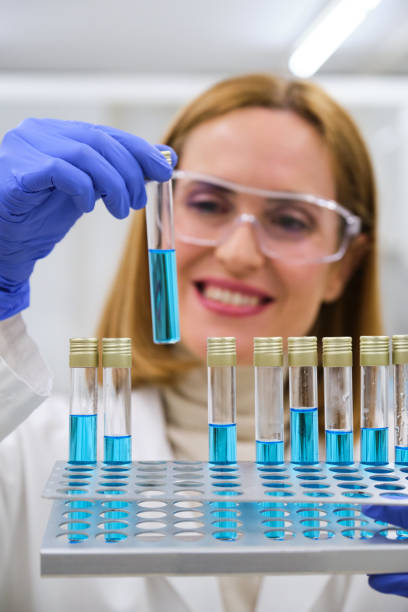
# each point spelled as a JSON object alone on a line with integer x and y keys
{"x": 400, "y": 364}
{"x": 116, "y": 363}
{"x": 83, "y": 361}
{"x": 338, "y": 399}
{"x": 304, "y": 432}
{"x": 269, "y": 427}
{"x": 162, "y": 261}
{"x": 222, "y": 434}
{"x": 374, "y": 360}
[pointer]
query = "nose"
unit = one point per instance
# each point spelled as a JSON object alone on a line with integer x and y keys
{"x": 240, "y": 252}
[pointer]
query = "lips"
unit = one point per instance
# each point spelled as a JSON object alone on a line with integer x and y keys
{"x": 231, "y": 298}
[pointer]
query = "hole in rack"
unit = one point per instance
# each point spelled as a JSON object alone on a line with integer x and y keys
{"x": 116, "y": 468}
{"x": 348, "y": 485}
{"x": 150, "y": 536}
{"x": 151, "y": 468}
{"x": 384, "y": 478}
{"x": 318, "y": 534}
{"x": 113, "y": 484}
{"x": 73, "y": 491}
{"x": 230, "y": 535}
{"x": 188, "y": 514}
{"x": 277, "y": 523}
{"x": 314, "y": 522}
{"x": 314, "y": 485}
{"x": 113, "y": 514}
{"x": 357, "y": 494}
{"x": 110, "y": 492}
{"x": 344, "y": 470}
{"x": 77, "y": 476}
{"x": 151, "y": 525}
{"x": 390, "y": 487}
{"x": 150, "y": 483}
{"x": 279, "y": 493}
{"x": 189, "y": 525}
{"x": 152, "y": 504}
{"x": 271, "y": 469}
{"x": 115, "y": 476}
{"x": 180, "y": 476}
{"x": 268, "y": 505}
{"x": 347, "y": 478}
{"x": 274, "y": 476}
{"x": 188, "y": 503}
{"x": 358, "y": 534}
{"x": 224, "y": 476}
{"x": 223, "y": 469}
{"x": 151, "y": 514}
{"x": 112, "y": 525}
{"x": 188, "y": 536}
{"x": 347, "y": 512}
{"x": 188, "y": 468}
{"x": 378, "y": 470}
{"x": 188, "y": 463}
{"x": 394, "y": 534}
{"x": 83, "y": 468}
{"x": 76, "y": 514}
{"x": 279, "y": 534}
{"x": 111, "y": 537}
{"x": 79, "y": 504}
{"x": 352, "y": 522}
{"x": 75, "y": 525}
{"x": 303, "y": 468}
{"x": 274, "y": 513}
{"x": 152, "y": 493}
{"x": 158, "y": 463}
{"x": 278, "y": 485}
{"x": 187, "y": 483}
{"x": 394, "y": 495}
{"x": 115, "y": 504}
{"x": 318, "y": 493}
{"x": 188, "y": 493}
{"x": 72, "y": 537}
{"x": 311, "y": 512}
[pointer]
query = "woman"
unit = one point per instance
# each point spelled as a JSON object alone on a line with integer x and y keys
{"x": 237, "y": 143}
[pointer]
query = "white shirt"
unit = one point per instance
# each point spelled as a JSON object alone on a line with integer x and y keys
{"x": 34, "y": 434}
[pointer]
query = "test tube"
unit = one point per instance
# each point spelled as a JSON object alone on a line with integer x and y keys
{"x": 83, "y": 361}
{"x": 222, "y": 431}
{"x": 268, "y": 365}
{"x": 304, "y": 432}
{"x": 162, "y": 261}
{"x": 374, "y": 360}
{"x": 400, "y": 364}
{"x": 338, "y": 399}
{"x": 116, "y": 363}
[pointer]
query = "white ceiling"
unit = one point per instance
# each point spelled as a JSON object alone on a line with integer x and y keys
{"x": 188, "y": 36}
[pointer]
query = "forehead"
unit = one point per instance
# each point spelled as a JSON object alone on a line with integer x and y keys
{"x": 264, "y": 148}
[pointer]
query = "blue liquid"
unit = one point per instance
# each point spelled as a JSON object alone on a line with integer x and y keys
{"x": 82, "y": 438}
{"x": 339, "y": 447}
{"x": 164, "y": 296}
{"x": 222, "y": 443}
{"x": 118, "y": 449}
{"x": 304, "y": 435}
{"x": 374, "y": 445}
{"x": 401, "y": 455}
{"x": 269, "y": 452}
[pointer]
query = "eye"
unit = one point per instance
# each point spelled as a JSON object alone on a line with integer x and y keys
{"x": 291, "y": 222}
{"x": 207, "y": 206}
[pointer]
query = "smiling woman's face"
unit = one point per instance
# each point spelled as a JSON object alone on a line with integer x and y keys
{"x": 234, "y": 289}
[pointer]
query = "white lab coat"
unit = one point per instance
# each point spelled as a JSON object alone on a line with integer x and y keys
{"x": 27, "y": 454}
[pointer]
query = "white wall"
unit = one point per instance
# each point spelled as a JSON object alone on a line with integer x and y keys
{"x": 69, "y": 286}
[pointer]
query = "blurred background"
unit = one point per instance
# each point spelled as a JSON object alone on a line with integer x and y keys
{"x": 133, "y": 64}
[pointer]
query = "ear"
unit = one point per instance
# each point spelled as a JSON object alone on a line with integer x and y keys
{"x": 342, "y": 270}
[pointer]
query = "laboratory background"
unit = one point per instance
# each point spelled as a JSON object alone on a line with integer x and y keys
{"x": 132, "y": 64}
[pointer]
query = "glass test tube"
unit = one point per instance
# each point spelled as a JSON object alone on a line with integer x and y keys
{"x": 338, "y": 399}
{"x": 83, "y": 361}
{"x": 400, "y": 364}
{"x": 162, "y": 261}
{"x": 304, "y": 432}
{"x": 269, "y": 427}
{"x": 374, "y": 360}
{"x": 116, "y": 363}
{"x": 222, "y": 430}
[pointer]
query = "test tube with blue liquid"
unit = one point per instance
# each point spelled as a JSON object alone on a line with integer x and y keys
{"x": 400, "y": 365}
{"x": 83, "y": 361}
{"x": 374, "y": 360}
{"x": 116, "y": 363}
{"x": 222, "y": 429}
{"x": 162, "y": 261}
{"x": 304, "y": 432}
{"x": 338, "y": 399}
{"x": 269, "y": 428}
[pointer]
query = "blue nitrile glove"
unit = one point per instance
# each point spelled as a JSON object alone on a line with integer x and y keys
{"x": 51, "y": 172}
{"x": 396, "y": 584}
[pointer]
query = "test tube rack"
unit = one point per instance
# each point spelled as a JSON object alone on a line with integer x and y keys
{"x": 196, "y": 518}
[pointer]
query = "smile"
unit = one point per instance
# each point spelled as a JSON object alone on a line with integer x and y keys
{"x": 231, "y": 298}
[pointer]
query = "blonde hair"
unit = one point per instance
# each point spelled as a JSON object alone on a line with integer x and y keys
{"x": 355, "y": 313}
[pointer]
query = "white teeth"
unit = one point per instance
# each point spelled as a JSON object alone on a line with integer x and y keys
{"x": 230, "y": 297}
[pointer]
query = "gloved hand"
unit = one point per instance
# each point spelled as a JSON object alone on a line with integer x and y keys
{"x": 51, "y": 172}
{"x": 396, "y": 584}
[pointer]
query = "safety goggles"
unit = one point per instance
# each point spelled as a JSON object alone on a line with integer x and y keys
{"x": 296, "y": 227}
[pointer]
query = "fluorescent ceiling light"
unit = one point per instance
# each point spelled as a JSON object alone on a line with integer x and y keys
{"x": 327, "y": 33}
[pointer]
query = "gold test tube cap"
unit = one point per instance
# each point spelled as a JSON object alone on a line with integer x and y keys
{"x": 302, "y": 351}
{"x": 116, "y": 352}
{"x": 221, "y": 352}
{"x": 83, "y": 353}
{"x": 337, "y": 352}
{"x": 268, "y": 351}
{"x": 167, "y": 155}
{"x": 399, "y": 350}
{"x": 374, "y": 350}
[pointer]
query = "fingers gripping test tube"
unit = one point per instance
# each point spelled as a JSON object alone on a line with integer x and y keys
{"x": 400, "y": 364}
{"x": 338, "y": 399}
{"x": 83, "y": 361}
{"x": 221, "y": 367}
{"x": 269, "y": 426}
{"x": 116, "y": 363}
{"x": 304, "y": 433}
{"x": 374, "y": 360}
{"x": 162, "y": 261}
